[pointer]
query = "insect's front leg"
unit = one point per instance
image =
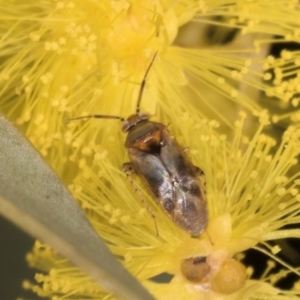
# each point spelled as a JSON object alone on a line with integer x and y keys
{"x": 129, "y": 170}
{"x": 199, "y": 172}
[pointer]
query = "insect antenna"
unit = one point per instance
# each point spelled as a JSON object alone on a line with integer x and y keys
{"x": 97, "y": 117}
{"x": 143, "y": 85}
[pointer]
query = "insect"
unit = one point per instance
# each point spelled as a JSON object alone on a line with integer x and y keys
{"x": 164, "y": 168}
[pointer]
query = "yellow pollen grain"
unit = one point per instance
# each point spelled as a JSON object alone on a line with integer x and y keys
{"x": 281, "y": 191}
{"x": 28, "y": 89}
{"x": 268, "y": 158}
{"x": 78, "y": 189}
{"x": 128, "y": 257}
{"x": 213, "y": 124}
{"x": 248, "y": 62}
{"x": 87, "y": 151}
{"x": 62, "y": 40}
{"x": 112, "y": 220}
{"x": 53, "y": 272}
{"x": 294, "y": 192}
{"x": 125, "y": 219}
{"x": 35, "y": 37}
{"x": 86, "y": 28}
{"x": 25, "y": 79}
{"x": 249, "y": 271}
{"x": 26, "y": 285}
{"x": 204, "y": 138}
{"x": 286, "y": 54}
{"x": 234, "y": 74}
{"x": 248, "y": 197}
{"x": 233, "y": 93}
{"x": 64, "y": 88}
{"x": 271, "y": 264}
{"x": 117, "y": 212}
{"x": 77, "y": 143}
{"x": 27, "y": 116}
{"x": 39, "y": 277}
{"x": 275, "y": 118}
{"x": 46, "y": 287}
{"x": 107, "y": 208}
{"x": 244, "y": 70}
{"x": 254, "y": 174}
{"x": 221, "y": 80}
{"x": 238, "y": 124}
{"x": 276, "y": 249}
{"x": 55, "y": 103}
{"x": 267, "y": 76}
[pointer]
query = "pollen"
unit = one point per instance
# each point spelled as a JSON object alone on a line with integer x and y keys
{"x": 276, "y": 249}
{"x": 67, "y": 59}
{"x": 254, "y": 174}
{"x": 281, "y": 191}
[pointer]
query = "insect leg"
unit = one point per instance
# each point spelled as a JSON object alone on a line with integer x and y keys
{"x": 128, "y": 170}
{"x": 199, "y": 172}
{"x": 202, "y": 176}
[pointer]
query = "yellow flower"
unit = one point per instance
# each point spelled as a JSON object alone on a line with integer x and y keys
{"x": 71, "y": 59}
{"x": 250, "y": 198}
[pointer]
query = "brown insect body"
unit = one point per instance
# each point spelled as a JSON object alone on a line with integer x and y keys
{"x": 165, "y": 169}
{"x": 163, "y": 166}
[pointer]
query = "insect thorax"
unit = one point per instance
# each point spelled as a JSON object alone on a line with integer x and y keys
{"x": 145, "y": 135}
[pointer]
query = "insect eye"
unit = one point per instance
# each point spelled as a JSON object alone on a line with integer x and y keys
{"x": 169, "y": 205}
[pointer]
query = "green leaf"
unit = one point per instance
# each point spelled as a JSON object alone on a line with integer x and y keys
{"x": 33, "y": 197}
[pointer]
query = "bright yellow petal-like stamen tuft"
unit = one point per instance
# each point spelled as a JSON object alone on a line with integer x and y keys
{"x": 69, "y": 59}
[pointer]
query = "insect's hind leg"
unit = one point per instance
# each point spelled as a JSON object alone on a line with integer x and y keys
{"x": 128, "y": 170}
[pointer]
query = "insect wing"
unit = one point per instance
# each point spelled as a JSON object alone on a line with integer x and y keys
{"x": 174, "y": 158}
{"x": 190, "y": 209}
{"x": 150, "y": 169}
